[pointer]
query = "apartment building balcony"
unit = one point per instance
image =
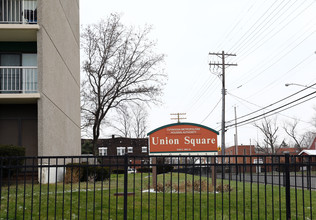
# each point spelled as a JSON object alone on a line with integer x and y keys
{"x": 18, "y": 85}
{"x": 18, "y": 20}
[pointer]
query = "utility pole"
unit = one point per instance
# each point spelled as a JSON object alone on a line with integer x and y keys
{"x": 178, "y": 116}
{"x": 250, "y": 147}
{"x": 236, "y": 136}
{"x": 222, "y": 65}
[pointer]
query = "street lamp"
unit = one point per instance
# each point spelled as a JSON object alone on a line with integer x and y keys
{"x": 296, "y": 84}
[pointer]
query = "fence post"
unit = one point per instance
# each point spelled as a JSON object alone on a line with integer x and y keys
{"x": 1, "y": 179}
{"x": 287, "y": 186}
{"x": 213, "y": 161}
{"x": 309, "y": 174}
{"x": 125, "y": 185}
{"x": 154, "y": 172}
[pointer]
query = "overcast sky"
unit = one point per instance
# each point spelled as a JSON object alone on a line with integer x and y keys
{"x": 274, "y": 43}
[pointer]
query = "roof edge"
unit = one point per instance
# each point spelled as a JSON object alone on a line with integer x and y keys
{"x": 309, "y": 152}
{"x": 184, "y": 123}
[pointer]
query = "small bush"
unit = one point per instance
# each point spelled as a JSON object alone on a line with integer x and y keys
{"x": 98, "y": 173}
{"x": 13, "y": 163}
{"x": 224, "y": 188}
{"x": 144, "y": 170}
{"x": 196, "y": 186}
{"x": 164, "y": 168}
{"x": 76, "y": 172}
{"x": 11, "y": 151}
{"x": 118, "y": 171}
{"x": 292, "y": 168}
{"x": 159, "y": 187}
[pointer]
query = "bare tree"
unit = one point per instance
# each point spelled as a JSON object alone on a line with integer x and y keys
{"x": 140, "y": 121}
{"x": 309, "y": 137}
{"x": 269, "y": 129}
{"x": 120, "y": 67}
{"x": 131, "y": 121}
{"x": 291, "y": 129}
{"x": 123, "y": 121}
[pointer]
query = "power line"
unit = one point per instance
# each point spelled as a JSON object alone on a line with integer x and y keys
{"x": 224, "y": 39}
{"x": 276, "y": 80}
{"x": 261, "y": 107}
{"x": 208, "y": 94}
{"x": 202, "y": 91}
{"x": 274, "y": 103}
{"x": 278, "y": 28}
{"x": 276, "y": 59}
{"x": 242, "y": 39}
{"x": 272, "y": 110}
{"x": 265, "y": 33}
{"x": 266, "y": 116}
{"x": 262, "y": 25}
{"x": 211, "y": 111}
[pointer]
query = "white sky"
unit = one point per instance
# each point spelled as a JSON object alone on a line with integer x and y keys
{"x": 274, "y": 42}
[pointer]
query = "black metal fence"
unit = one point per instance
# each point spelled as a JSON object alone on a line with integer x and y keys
{"x": 158, "y": 187}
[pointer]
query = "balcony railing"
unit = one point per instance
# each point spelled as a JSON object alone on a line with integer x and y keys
{"x": 18, "y": 79}
{"x": 18, "y": 11}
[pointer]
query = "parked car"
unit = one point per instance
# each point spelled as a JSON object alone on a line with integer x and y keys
{"x": 131, "y": 170}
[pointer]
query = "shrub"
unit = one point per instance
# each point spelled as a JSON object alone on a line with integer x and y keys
{"x": 164, "y": 168}
{"x": 95, "y": 173}
{"x": 87, "y": 173}
{"x": 14, "y": 163}
{"x": 196, "y": 186}
{"x": 74, "y": 172}
{"x": 159, "y": 187}
{"x": 224, "y": 188}
{"x": 144, "y": 170}
{"x": 87, "y": 147}
{"x": 292, "y": 168}
{"x": 99, "y": 173}
{"x": 118, "y": 171}
{"x": 11, "y": 151}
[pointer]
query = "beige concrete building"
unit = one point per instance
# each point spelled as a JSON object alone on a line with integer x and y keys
{"x": 40, "y": 76}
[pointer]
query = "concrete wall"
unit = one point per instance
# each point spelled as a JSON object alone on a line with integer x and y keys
{"x": 59, "y": 78}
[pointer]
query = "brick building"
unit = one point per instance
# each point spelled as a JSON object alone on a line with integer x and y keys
{"x": 119, "y": 146}
{"x": 257, "y": 157}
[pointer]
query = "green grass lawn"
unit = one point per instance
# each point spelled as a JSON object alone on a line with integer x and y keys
{"x": 88, "y": 200}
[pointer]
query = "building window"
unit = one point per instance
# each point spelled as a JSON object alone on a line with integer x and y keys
{"x": 11, "y": 11}
{"x": 130, "y": 150}
{"x": 120, "y": 151}
{"x": 144, "y": 149}
{"x": 103, "y": 151}
{"x": 14, "y": 77}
